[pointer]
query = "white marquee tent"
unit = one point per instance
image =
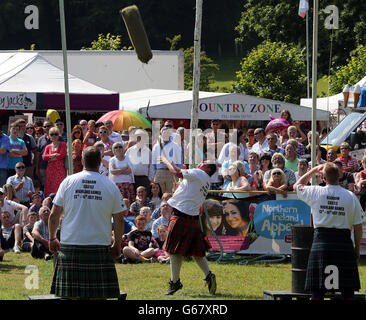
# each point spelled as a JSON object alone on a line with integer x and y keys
{"x": 177, "y": 104}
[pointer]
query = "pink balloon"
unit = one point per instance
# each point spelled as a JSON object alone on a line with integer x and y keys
{"x": 276, "y": 124}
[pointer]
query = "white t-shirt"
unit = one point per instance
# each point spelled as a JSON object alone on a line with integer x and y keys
{"x": 117, "y": 164}
{"x": 191, "y": 192}
{"x": 89, "y": 200}
{"x": 10, "y": 206}
{"x": 332, "y": 206}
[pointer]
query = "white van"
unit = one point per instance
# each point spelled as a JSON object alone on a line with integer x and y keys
{"x": 351, "y": 129}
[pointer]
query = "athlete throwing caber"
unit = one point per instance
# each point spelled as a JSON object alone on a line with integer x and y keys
{"x": 185, "y": 237}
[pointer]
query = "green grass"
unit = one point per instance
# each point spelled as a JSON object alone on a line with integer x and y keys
{"x": 149, "y": 281}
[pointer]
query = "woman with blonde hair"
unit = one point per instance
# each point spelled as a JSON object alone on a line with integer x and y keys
{"x": 10, "y": 193}
{"x": 238, "y": 183}
{"x": 277, "y": 182}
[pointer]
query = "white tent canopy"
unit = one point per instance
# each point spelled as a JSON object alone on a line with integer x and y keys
{"x": 25, "y": 75}
{"x": 332, "y": 103}
{"x": 177, "y": 104}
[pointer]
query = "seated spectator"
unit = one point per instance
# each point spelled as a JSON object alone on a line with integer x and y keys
{"x": 278, "y": 161}
{"x": 238, "y": 183}
{"x": 346, "y": 179}
{"x": 10, "y": 193}
{"x": 141, "y": 201}
{"x": 165, "y": 213}
{"x": 318, "y": 158}
{"x": 155, "y": 194}
{"x": 165, "y": 197}
{"x": 331, "y": 155}
{"x": 261, "y": 145}
{"x": 291, "y": 158}
{"x": 40, "y": 248}
{"x": 253, "y": 163}
{"x": 36, "y": 203}
{"x": 146, "y": 212}
{"x": 139, "y": 247}
{"x": 130, "y": 215}
{"x": 349, "y": 163}
{"x": 28, "y": 239}
{"x": 10, "y": 234}
{"x": 293, "y": 134}
{"x": 251, "y": 140}
{"x": 277, "y": 182}
{"x": 37, "y": 188}
{"x": 265, "y": 163}
{"x": 11, "y": 207}
{"x": 22, "y": 184}
{"x": 232, "y": 157}
{"x": 160, "y": 254}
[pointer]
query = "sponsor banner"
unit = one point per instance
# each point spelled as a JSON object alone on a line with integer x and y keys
{"x": 18, "y": 101}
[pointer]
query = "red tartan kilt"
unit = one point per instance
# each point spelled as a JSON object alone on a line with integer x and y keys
{"x": 185, "y": 237}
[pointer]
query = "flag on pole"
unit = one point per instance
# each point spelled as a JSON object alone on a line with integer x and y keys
{"x": 303, "y": 8}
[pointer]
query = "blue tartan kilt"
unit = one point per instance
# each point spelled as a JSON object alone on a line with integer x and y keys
{"x": 332, "y": 247}
{"x": 85, "y": 272}
{"x": 185, "y": 236}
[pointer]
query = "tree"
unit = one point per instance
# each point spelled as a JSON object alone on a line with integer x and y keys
{"x": 351, "y": 73}
{"x": 273, "y": 70}
{"x": 108, "y": 42}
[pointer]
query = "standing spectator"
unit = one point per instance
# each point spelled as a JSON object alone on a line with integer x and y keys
{"x": 293, "y": 134}
{"x": 166, "y": 146}
{"x": 140, "y": 156}
{"x": 4, "y": 150}
{"x": 30, "y": 129}
{"x": 215, "y": 140}
{"x": 349, "y": 163}
{"x": 54, "y": 154}
{"x": 285, "y": 114}
{"x": 61, "y": 129}
{"x": 278, "y": 161}
{"x": 346, "y": 179}
{"x": 141, "y": 201}
{"x": 273, "y": 148}
{"x": 251, "y": 140}
{"x": 31, "y": 146}
{"x": 104, "y": 164}
{"x": 165, "y": 213}
{"x": 261, "y": 145}
{"x": 40, "y": 248}
{"x": 84, "y": 126}
{"x": 331, "y": 155}
{"x": 17, "y": 150}
{"x": 121, "y": 172}
{"x": 90, "y": 137}
{"x": 108, "y": 143}
{"x": 38, "y": 133}
{"x": 290, "y": 154}
{"x": 113, "y": 136}
{"x": 23, "y": 185}
{"x": 10, "y": 234}
{"x": 77, "y": 148}
{"x": 318, "y": 146}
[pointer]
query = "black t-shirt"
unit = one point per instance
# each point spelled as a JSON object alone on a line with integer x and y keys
{"x": 141, "y": 239}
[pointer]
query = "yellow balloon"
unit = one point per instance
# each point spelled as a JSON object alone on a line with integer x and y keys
{"x": 52, "y": 115}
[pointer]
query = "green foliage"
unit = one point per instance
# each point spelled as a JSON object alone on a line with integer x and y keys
{"x": 174, "y": 41}
{"x": 108, "y": 42}
{"x": 208, "y": 69}
{"x": 352, "y": 72}
{"x": 273, "y": 70}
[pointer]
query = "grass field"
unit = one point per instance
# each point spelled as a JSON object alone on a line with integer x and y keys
{"x": 149, "y": 281}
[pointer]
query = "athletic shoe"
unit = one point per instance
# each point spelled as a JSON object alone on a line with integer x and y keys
{"x": 174, "y": 287}
{"x": 211, "y": 282}
{"x": 16, "y": 249}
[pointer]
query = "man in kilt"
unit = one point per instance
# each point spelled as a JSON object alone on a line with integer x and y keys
{"x": 185, "y": 237}
{"x": 84, "y": 267}
{"x": 332, "y": 264}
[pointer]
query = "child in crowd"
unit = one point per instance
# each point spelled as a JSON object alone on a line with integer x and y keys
{"x": 161, "y": 255}
{"x": 36, "y": 203}
{"x": 139, "y": 247}
{"x": 277, "y": 182}
{"x": 146, "y": 212}
{"x": 28, "y": 239}
{"x": 37, "y": 188}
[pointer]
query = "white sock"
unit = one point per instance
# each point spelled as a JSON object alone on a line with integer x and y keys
{"x": 175, "y": 266}
{"x": 203, "y": 264}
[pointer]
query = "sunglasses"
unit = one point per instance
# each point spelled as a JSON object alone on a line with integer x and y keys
{"x": 276, "y": 173}
{"x": 20, "y": 167}
{"x": 118, "y": 147}
{"x": 53, "y": 134}
{"x": 48, "y": 126}
{"x": 103, "y": 131}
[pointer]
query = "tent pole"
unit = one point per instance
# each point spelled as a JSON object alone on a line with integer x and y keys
{"x": 196, "y": 83}
{"x": 314, "y": 85}
{"x": 66, "y": 80}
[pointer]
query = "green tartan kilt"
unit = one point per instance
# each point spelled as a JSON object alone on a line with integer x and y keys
{"x": 85, "y": 272}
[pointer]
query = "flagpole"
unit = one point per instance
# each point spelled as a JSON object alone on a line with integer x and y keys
{"x": 314, "y": 85}
{"x": 307, "y": 56}
{"x": 66, "y": 81}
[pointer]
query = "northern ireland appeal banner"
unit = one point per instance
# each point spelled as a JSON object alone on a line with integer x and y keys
{"x": 256, "y": 225}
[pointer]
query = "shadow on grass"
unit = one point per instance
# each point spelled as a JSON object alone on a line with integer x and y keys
{"x": 219, "y": 296}
{"x": 4, "y": 267}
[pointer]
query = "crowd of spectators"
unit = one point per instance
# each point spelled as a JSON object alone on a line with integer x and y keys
{"x": 34, "y": 161}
